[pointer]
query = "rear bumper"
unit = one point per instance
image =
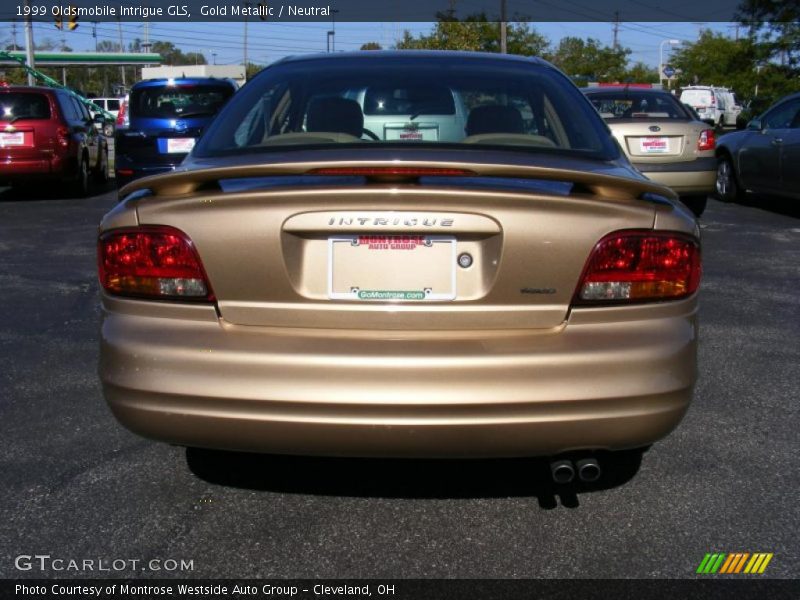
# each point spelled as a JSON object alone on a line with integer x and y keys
{"x": 690, "y": 177}
{"x": 26, "y": 168}
{"x": 587, "y": 385}
{"x": 126, "y": 170}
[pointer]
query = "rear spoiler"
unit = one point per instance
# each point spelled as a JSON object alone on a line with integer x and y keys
{"x": 179, "y": 183}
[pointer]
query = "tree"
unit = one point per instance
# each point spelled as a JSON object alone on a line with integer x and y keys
{"x": 641, "y": 73}
{"x": 589, "y": 60}
{"x": 475, "y": 33}
{"x": 371, "y": 46}
{"x": 775, "y": 26}
{"x": 172, "y": 55}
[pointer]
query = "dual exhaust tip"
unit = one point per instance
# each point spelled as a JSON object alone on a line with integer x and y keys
{"x": 564, "y": 471}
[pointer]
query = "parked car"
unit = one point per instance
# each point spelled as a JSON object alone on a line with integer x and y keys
{"x": 662, "y": 139}
{"x": 764, "y": 157}
{"x": 47, "y": 134}
{"x": 160, "y": 121}
{"x": 297, "y": 286}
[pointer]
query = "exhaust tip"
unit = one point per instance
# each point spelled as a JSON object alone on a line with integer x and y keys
{"x": 562, "y": 471}
{"x": 589, "y": 469}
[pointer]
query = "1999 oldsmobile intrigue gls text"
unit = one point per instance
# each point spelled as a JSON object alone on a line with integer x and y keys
{"x": 402, "y": 254}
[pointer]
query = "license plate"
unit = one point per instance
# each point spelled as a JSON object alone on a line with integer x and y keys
{"x": 412, "y": 134}
{"x": 654, "y": 145}
{"x": 392, "y": 268}
{"x": 12, "y": 139}
{"x": 180, "y": 145}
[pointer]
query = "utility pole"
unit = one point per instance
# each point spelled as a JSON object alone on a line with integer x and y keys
{"x": 503, "y": 28}
{"x": 94, "y": 34}
{"x": 14, "y": 34}
{"x": 29, "y": 45}
{"x": 616, "y": 29}
{"x": 121, "y": 49}
{"x": 247, "y": 6}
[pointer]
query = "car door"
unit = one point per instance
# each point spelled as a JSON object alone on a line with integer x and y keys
{"x": 790, "y": 157}
{"x": 760, "y": 159}
{"x": 91, "y": 136}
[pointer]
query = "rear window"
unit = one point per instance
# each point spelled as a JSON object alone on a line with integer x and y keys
{"x": 112, "y": 104}
{"x": 24, "y": 105}
{"x": 178, "y": 101}
{"x": 696, "y": 97}
{"x": 409, "y": 100}
{"x": 638, "y": 105}
{"x": 402, "y": 101}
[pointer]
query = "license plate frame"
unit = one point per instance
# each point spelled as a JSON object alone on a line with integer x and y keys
{"x": 436, "y": 252}
{"x": 654, "y": 145}
{"x": 180, "y": 145}
{"x": 9, "y": 138}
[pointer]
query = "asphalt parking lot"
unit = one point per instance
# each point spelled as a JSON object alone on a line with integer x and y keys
{"x": 76, "y": 485}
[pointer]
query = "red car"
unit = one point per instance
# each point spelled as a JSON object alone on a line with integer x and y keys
{"x": 48, "y": 134}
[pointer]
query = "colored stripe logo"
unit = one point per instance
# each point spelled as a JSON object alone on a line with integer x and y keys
{"x": 734, "y": 563}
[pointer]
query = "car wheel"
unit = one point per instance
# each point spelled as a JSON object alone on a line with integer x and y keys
{"x": 101, "y": 171}
{"x": 696, "y": 204}
{"x": 108, "y": 130}
{"x": 727, "y": 187}
{"x": 81, "y": 184}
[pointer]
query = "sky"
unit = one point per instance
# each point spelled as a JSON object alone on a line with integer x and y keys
{"x": 269, "y": 41}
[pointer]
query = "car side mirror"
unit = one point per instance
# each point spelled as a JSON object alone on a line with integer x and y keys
{"x": 755, "y": 125}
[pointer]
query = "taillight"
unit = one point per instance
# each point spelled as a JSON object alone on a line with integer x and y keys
{"x": 640, "y": 266}
{"x": 706, "y": 141}
{"x": 62, "y": 136}
{"x": 151, "y": 262}
{"x": 122, "y": 116}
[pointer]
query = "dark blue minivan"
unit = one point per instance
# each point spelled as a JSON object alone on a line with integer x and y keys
{"x": 161, "y": 120}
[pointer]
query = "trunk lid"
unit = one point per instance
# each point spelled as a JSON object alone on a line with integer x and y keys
{"x": 288, "y": 253}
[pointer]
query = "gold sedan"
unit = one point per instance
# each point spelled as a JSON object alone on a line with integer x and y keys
{"x": 301, "y": 285}
{"x": 662, "y": 139}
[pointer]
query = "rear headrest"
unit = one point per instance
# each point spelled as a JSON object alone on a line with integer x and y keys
{"x": 494, "y": 118}
{"x": 338, "y": 115}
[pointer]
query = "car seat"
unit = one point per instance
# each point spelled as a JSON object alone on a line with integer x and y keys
{"x": 494, "y": 118}
{"x": 336, "y": 115}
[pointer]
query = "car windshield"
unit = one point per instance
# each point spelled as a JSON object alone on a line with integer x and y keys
{"x": 23, "y": 105}
{"x": 178, "y": 100}
{"x": 397, "y": 100}
{"x": 638, "y": 105}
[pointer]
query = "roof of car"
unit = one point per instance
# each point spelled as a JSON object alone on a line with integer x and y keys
{"x": 624, "y": 89}
{"x": 412, "y": 54}
{"x": 27, "y": 88}
{"x": 161, "y": 81}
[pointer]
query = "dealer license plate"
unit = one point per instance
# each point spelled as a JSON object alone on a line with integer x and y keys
{"x": 392, "y": 268}
{"x": 180, "y": 145}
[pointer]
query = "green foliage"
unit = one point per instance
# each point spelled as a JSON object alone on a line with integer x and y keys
{"x": 743, "y": 65}
{"x": 171, "y": 55}
{"x": 589, "y": 60}
{"x": 775, "y": 26}
{"x": 477, "y": 34}
{"x": 371, "y": 46}
{"x": 641, "y": 73}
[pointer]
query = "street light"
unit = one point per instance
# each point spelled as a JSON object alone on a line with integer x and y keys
{"x": 661, "y": 58}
